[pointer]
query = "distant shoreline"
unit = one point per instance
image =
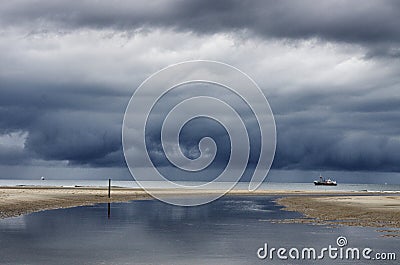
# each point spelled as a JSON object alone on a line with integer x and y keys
{"x": 322, "y": 206}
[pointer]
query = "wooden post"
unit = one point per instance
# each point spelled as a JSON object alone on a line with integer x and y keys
{"x": 109, "y": 188}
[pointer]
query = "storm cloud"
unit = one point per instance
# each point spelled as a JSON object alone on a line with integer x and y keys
{"x": 360, "y": 21}
{"x": 330, "y": 70}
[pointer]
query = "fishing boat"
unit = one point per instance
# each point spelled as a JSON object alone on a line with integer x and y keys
{"x": 325, "y": 182}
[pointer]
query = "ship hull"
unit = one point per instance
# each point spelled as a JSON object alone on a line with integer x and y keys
{"x": 324, "y": 184}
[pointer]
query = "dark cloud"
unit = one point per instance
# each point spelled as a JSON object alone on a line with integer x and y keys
{"x": 346, "y": 130}
{"x": 75, "y": 137}
{"x": 364, "y": 22}
{"x": 74, "y": 123}
{"x": 14, "y": 156}
{"x": 315, "y": 147}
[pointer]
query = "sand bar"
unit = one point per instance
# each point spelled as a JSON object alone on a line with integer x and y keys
{"x": 15, "y": 201}
{"x": 374, "y": 211}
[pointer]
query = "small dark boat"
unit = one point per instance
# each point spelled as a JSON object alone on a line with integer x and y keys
{"x": 325, "y": 182}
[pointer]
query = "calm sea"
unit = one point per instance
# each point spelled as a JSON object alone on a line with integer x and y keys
{"x": 241, "y": 185}
{"x": 227, "y": 231}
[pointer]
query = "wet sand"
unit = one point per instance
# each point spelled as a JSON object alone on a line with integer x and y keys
{"x": 16, "y": 201}
{"x": 374, "y": 211}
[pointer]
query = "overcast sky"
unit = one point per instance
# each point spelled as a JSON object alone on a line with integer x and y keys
{"x": 330, "y": 70}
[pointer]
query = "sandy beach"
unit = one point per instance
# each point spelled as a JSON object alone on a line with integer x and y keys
{"x": 16, "y": 201}
{"x": 375, "y": 211}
